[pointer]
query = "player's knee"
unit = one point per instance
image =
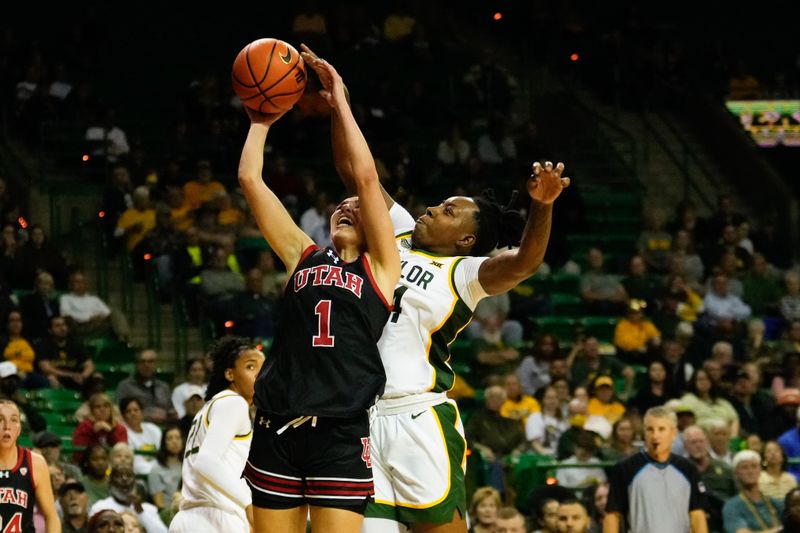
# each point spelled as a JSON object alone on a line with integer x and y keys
{"x": 381, "y": 525}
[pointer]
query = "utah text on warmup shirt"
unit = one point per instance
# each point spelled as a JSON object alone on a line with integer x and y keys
{"x": 655, "y": 497}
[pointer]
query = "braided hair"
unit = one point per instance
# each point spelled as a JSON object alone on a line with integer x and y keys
{"x": 224, "y": 354}
{"x": 496, "y": 226}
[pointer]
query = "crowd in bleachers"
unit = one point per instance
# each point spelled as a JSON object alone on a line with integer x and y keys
{"x": 699, "y": 313}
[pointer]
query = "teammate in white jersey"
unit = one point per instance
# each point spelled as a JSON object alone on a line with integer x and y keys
{"x": 216, "y": 498}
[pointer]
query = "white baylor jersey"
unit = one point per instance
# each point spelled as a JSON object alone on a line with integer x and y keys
{"x": 434, "y": 300}
{"x": 197, "y": 490}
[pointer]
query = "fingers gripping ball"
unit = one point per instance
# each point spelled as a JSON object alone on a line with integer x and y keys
{"x": 269, "y": 75}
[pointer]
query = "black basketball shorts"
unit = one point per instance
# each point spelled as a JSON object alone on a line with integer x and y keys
{"x": 327, "y": 464}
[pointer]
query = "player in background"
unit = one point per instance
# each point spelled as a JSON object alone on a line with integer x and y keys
{"x": 310, "y": 450}
{"x": 418, "y": 446}
{"x": 215, "y": 497}
{"x": 24, "y": 479}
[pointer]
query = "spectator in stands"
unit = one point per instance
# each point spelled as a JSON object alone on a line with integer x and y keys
{"x": 784, "y": 416}
{"x": 635, "y": 335}
{"x": 655, "y": 390}
{"x": 495, "y": 309}
{"x": 200, "y": 190}
{"x": 180, "y": 211}
{"x": 62, "y": 357}
{"x": 103, "y": 426}
{"x": 18, "y": 350}
{"x": 790, "y": 302}
{"x": 274, "y": 279}
{"x": 638, "y": 284}
{"x": 704, "y": 400}
{"x": 546, "y": 515}
{"x": 603, "y": 401}
{"x": 106, "y": 521}
{"x": 544, "y": 428}
{"x": 725, "y": 215}
{"x": 716, "y": 475}
{"x": 36, "y": 256}
{"x": 218, "y": 282}
{"x": 585, "y": 452}
{"x": 492, "y": 354}
{"x": 509, "y": 520}
{"x": 9, "y": 247}
{"x": 229, "y": 216}
{"x": 483, "y": 508}
{"x": 572, "y": 517}
{"x": 678, "y": 369}
{"x": 586, "y": 362}
{"x": 753, "y": 409}
{"x": 719, "y": 440}
{"x": 94, "y": 472}
{"x": 601, "y": 292}
{"x": 654, "y": 242}
{"x": 49, "y": 445}
{"x": 137, "y": 221}
{"x": 316, "y": 216}
{"x": 192, "y": 405}
{"x": 690, "y": 265}
{"x": 164, "y": 478}
{"x": 196, "y": 376}
{"x": 116, "y": 200}
{"x": 164, "y": 242}
{"x": 153, "y": 393}
{"x": 489, "y": 85}
{"x": 761, "y": 290}
{"x": 518, "y": 406}
{"x": 143, "y": 437}
{"x": 495, "y": 436}
{"x": 252, "y": 312}
{"x": 108, "y": 141}
{"x": 124, "y": 496}
{"x": 724, "y": 310}
{"x": 533, "y": 371}
{"x": 39, "y": 307}
{"x": 496, "y": 146}
{"x": 791, "y": 511}
{"x": 750, "y": 510}
{"x": 621, "y": 444}
{"x": 88, "y": 315}
{"x": 132, "y": 522}
{"x": 453, "y": 152}
{"x": 728, "y": 249}
{"x": 775, "y": 481}
{"x": 74, "y": 503}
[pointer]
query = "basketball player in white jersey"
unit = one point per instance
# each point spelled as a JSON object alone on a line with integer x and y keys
{"x": 216, "y": 498}
{"x": 418, "y": 449}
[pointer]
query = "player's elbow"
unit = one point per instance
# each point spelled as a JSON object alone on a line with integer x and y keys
{"x": 366, "y": 176}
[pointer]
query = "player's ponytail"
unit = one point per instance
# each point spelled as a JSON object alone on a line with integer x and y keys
{"x": 224, "y": 354}
{"x": 497, "y": 226}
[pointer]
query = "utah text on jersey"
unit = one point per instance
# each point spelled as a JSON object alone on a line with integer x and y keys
{"x": 12, "y": 496}
{"x": 328, "y": 275}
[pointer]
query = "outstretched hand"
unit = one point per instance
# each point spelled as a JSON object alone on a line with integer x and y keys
{"x": 546, "y": 183}
{"x": 333, "y": 90}
{"x": 267, "y": 119}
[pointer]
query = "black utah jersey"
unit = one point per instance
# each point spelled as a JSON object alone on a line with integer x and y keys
{"x": 18, "y": 494}
{"x": 324, "y": 360}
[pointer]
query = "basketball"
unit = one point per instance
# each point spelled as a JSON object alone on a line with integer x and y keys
{"x": 269, "y": 75}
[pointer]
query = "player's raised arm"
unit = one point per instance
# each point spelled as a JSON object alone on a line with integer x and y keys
{"x": 275, "y": 223}
{"x": 344, "y": 157}
{"x": 508, "y": 269}
{"x": 360, "y": 171}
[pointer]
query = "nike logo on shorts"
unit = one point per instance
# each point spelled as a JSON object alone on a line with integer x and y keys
{"x": 413, "y": 417}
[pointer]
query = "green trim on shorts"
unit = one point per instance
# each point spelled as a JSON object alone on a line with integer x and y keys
{"x": 441, "y": 513}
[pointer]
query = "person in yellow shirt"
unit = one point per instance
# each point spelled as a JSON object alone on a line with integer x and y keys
{"x": 518, "y": 405}
{"x": 602, "y": 402}
{"x": 179, "y": 209}
{"x": 635, "y": 334}
{"x": 201, "y": 190}
{"x": 20, "y": 352}
{"x": 136, "y": 221}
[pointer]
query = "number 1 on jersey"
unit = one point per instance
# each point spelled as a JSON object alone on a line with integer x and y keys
{"x": 323, "y": 339}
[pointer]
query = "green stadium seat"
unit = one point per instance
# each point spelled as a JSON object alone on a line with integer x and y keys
{"x": 110, "y": 350}
{"x": 462, "y": 351}
{"x": 563, "y": 327}
{"x": 566, "y": 283}
{"x": 62, "y": 430}
{"x": 53, "y": 418}
{"x": 566, "y": 304}
{"x": 25, "y": 441}
{"x": 526, "y": 476}
{"x": 601, "y": 327}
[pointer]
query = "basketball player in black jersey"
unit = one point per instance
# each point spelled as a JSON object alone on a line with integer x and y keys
{"x": 310, "y": 449}
{"x": 24, "y": 479}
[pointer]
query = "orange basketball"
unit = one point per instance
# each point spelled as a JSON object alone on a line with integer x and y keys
{"x": 269, "y": 75}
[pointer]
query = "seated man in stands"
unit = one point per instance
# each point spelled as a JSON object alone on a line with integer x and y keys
{"x": 39, "y": 307}
{"x": 724, "y": 311}
{"x": 602, "y": 293}
{"x": 154, "y": 394}
{"x": 87, "y": 314}
{"x": 252, "y": 310}
{"x": 62, "y": 357}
